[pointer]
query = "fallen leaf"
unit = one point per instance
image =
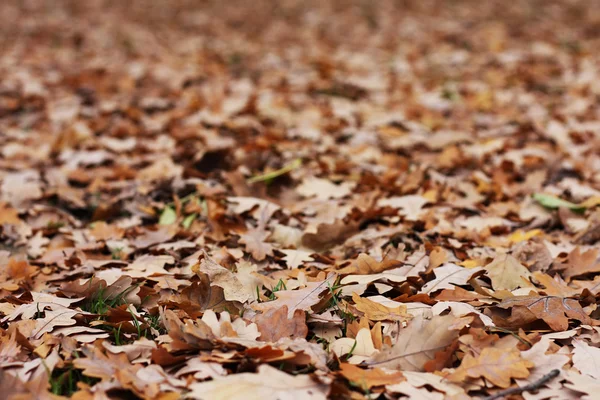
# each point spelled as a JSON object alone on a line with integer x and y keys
{"x": 555, "y": 311}
{"x": 366, "y": 379}
{"x": 447, "y": 276}
{"x": 417, "y": 343}
{"x": 274, "y": 324}
{"x": 586, "y": 358}
{"x": 378, "y": 312}
{"x": 301, "y": 299}
{"x": 267, "y": 384}
{"x": 497, "y": 366}
{"x": 506, "y": 273}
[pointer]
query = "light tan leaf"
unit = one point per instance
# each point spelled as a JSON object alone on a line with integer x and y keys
{"x": 267, "y": 384}
{"x": 418, "y": 343}
{"x": 507, "y": 273}
{"x": 378, "y": 312}
{"x": 366, "y": 265}
{"x": 544, "y": 362}
{"x": 301, "y": 299}
{"x": 295, "y": 258}
{"x": 41, "y": 302}
{"x": 233, "y": 289}
{"x": 366, "y": 379}
{"x": 254, "y": 240}
{"x": 447, "y": 276}
{"x": 410, "y": 206}
{"x": 324, "y": 189}
{"x": 361, "y": 347}
{"x": 586, "y": 358}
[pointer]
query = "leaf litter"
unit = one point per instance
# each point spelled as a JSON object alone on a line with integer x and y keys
{"x": 284, "y": 200}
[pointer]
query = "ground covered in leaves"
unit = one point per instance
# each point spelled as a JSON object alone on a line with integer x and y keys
{"x": 299, "y": 199}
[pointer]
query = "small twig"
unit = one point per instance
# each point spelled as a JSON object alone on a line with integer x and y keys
{"x": 369, "y": 363}
{"x": 532, "y": 386}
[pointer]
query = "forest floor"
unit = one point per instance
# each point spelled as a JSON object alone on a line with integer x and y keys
{"x": 342, "y": 199}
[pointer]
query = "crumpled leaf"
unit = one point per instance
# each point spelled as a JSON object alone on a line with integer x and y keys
{"x": 233, "y": 288}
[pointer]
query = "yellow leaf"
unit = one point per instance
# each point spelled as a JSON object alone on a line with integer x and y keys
{"x": 590, "y": 202}
{"x": 470, "y": 264}
{"x": 520, "y": 236}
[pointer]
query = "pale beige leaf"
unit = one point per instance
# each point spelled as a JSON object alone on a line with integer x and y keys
{"x": 507, "y": 273}
{"x": 267, "y": 384}
{"x": 418, "y": 343}
{"x": 586, "y": 358}
{"x": 447, "y": 276}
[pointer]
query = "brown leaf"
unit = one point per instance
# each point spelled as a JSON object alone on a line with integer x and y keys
{"x": 579, "y": 264}
{"x": 274, "y": 324}
{"x": 555, "y": 311}
{"x": 366, "y": 265}
{"x": 497, "y": 366}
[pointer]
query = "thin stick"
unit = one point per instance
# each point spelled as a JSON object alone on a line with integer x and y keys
{"x": 532, "y": 386}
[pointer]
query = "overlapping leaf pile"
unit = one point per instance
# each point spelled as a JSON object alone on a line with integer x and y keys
{"x": 299, "y": 200}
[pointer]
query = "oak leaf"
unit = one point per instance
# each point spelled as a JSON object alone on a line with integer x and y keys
{"x": 496, "y": 365}
{"x": 324, "y": 189}
{"x": 579, "y": 263}
{"x": 267, "y": 384}
{"x": 274, "y": 324}
{"x": 544, "y": 362}
{"x": 506, "y": 273}
{"x": 554, "y": 311}
{"x": 379, "y": 312}
{"x": 447, "y": 276}
{"x": 367, "y": 265}
{"x": 301, "y": 299}
{"x": 366, "y": 379}
{"x": 586, "y": 358}
{"x": 418, "y": 343}
{"x": 233, "y": 288}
